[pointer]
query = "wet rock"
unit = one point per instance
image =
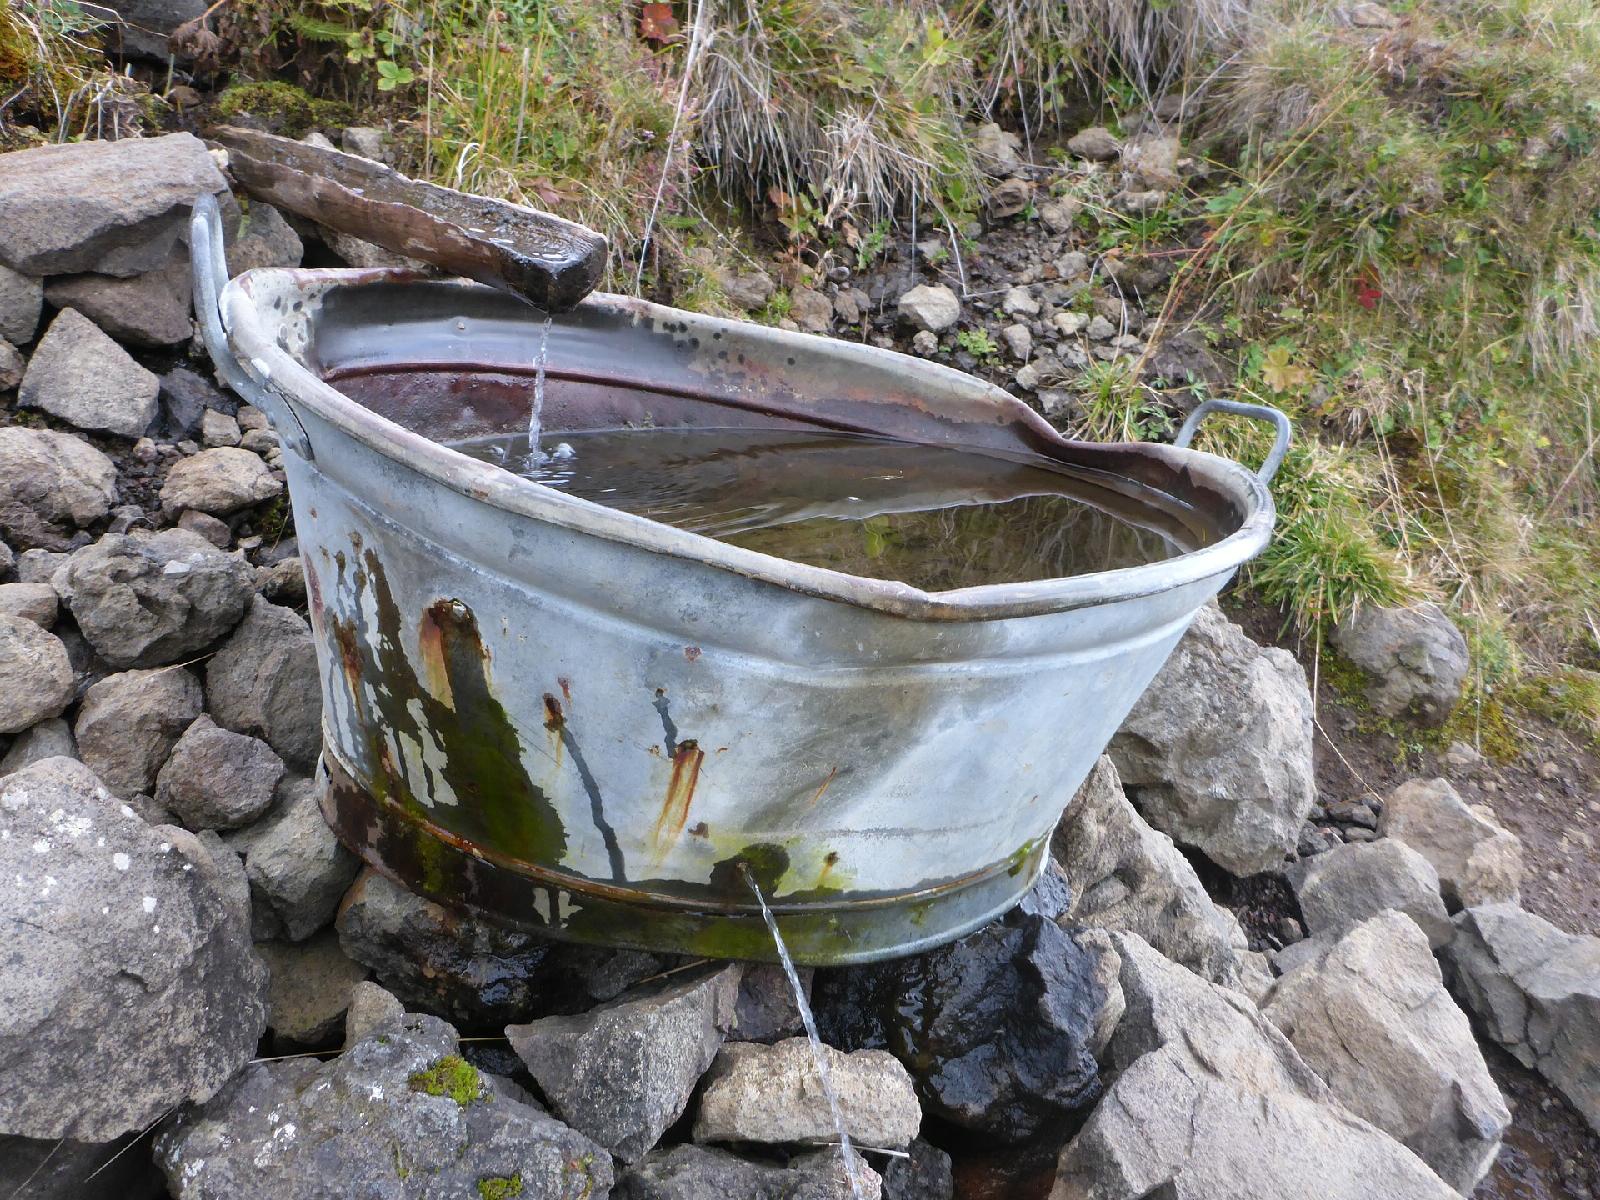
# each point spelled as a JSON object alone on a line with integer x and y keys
{"x": 129, "y": 722}
{"x": 369, "y": 1007}
{"x": 811, "y": 310}
{"x": 218, "y": 429}
{"x": 1004, "y": 1037}
{"x": 79, "y": 374}
{"x": 35, "y": 674}
{"x": 766, "y": 1011}
{"x": 931, "y": 307}
{"x": 112, "y": 207}
{"x": 263, "y": 239}
{"x": 217, "y": 779}
{"x": 297, "y": 869}
{"x": 1479, "y": 861}
{"x": 51, "y": 484}
{"x": 998, "y": 151}
{"x": 219, "y": 481}
{"x": 56, "y": 1169}
{"x": 1126, "y": 876}
{"x": 263, "y": 681}
{"x": 1415, "y": 659}
{"x": 773, "y": 1095}
{"x": 1535, "y": 990}
{"x": 51, "y": 738}
{"x": 1217, "y": 752}
{"x": 926, "y": 1175}
{"x": 129, "y": 985}
{"x": 309, "y": 989}
{"x": 1095, "y": 143}
{"x": 1350, "y": 884}
{"x": 624, "y": 1072}
{"x": 1372, "y": 1018}
{"x": 144, "y": 599}
{"x": 704, "y": 1173}
{"x": 145, "y": 310}
{"x": 400, "y": 1115}
{"x": 21, "y": 298}
{"x": 433, "y": 959}
{"x": 36, "y": 602}
{"x": 1211, "y": 1100}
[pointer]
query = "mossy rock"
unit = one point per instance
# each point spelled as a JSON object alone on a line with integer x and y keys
{"x": 280, "y": 107}
{"x": 450, "y": 1076}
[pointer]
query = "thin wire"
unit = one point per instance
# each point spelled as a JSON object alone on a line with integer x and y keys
{"x": 696, "y": 38}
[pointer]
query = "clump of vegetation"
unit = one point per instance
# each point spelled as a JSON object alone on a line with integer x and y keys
{"x": 451, "y": 1076}
{"x": 500, "y": 1187}
{"x": 282, "y": 107}
{"x": 977, "y": 343}
{"x": 54, "y": 78}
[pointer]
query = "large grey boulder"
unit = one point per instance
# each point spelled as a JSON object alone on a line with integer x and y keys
{"x": 1415, "y": 659}
{"x": 145, "y": 599}
{"x": 219, "y": 481}
{"x": 129, "y": 985}
{"x": 1352, "y": 883}
{"x": 309, "y": 989}
{"x": 1535, "y": 990}
{"x": 263, "y": 681}
{"x": 146, "y": 310}
{"x": 1211, "y": 1101}
{"x": 400, "y": 1115}
{"x": 1124, "y": 875}
{"x": 933, "y": 307}
{"x": 774, "y": 1095}
{"x": 217, "y": 779}
{"x": 704, "y": 1173}
{"x": 1479, "y": 861}
{"x": 21, "y": 298}
{"x": 35, "y": 674}
{"x": 1372, "y": 1018}
{"x": 624, "y": 1072}
{"x": 129, "y": 722}
{"x": 79, "y": 374}
{"x": 112, "y": 207}
{"x": 51, "y": 484}
{"x": 1217, "y": 752}
{"x": 297, "y": 869}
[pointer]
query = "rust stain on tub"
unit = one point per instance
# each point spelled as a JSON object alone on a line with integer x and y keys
{"x": 431, "y": 642}
{"x": 686, "y": 760}
{"x": 826, "y": 784}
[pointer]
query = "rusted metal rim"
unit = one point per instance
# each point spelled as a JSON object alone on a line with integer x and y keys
{"x": 299, "y": 388}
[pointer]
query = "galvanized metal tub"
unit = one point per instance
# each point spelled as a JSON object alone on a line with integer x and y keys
{"x": 598, "y": 727}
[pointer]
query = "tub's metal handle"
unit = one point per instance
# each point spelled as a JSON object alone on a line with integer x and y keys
{"x": 1261, "y": 412}
{"x": 210, "y": 267}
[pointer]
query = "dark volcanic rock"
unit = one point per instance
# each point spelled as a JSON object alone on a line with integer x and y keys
{"x": 700, "y": 1173}
{"x": 926, "y": 1175}
{"x": 263, "y": 681}
{"x": 298, "y": 871}
{"x": 216, "y": 779}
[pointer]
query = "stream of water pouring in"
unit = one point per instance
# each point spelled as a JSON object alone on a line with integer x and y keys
{"x": 536, "y": 414}
{"x": 847, "y": 1152}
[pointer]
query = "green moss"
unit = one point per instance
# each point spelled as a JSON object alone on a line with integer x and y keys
{"x": 283, "y": 107}
{"x": 1481, "y": 721}
{"x": 451, "y": 1076}
{"x": 1345, "y": 678}
{"x": 1570, "y": 697}
{"x": 500, "y": 1187}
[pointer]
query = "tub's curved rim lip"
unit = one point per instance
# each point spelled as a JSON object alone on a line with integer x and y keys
{"x": 269, "y": 364}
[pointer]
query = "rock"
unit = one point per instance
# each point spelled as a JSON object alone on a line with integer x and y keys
{"x": 1370, "y": 16}
{"x": 1099, "y": 329}
{"x": 766, "y": 1011}
{"x": 129, "y": 722}
{"x": 926, "y": 1175}
{"x": 433, "y": 959}
{"x": 1372, "y": 1018}
{"x": 365, "y": 140}
{"x": 400, "y": 1115}
{"x": 36, "y": 602}
{"x": 21, "y": 298}
{"x": 217, "y": 779}
{"x": 811, "y": 310}
{"x": 998, "y": 151}
{"x": 1069, "y": 324}
{"x": 1217, "y": 752}
{"x": 624, "y": 1072}
{"x": 147, "y": 310}
{"x": 12, "y": 366}
{"x": 702, "y": 1173}
{"x": 129, "y": 985}
{"x": 264, "y": 239}
{"x": 1151, "y": 163}
{"x": 185, "y": 397}
{"x": 146, "y": 25}
{"x": 1060, "y": 215}
{"x": 1009, "y": 197}
{"x": 1095, "y": 144}
{"x": 264, "y": 682}
{"x": 218, "y": 429}
{"x": 219, "y": 481}
{"x": 1535, "y": 990}
{"x": 850, "y": 305}
{"x": 1138, "y": 203}
{"x": 143, "y": 599}
{"x": 309, "y": 989}
{"x": 930, "y": 307}
{"x": 1183, "y": 359}
{"x": 1073, "y": 264}
{"x": 56, "y": 1169}
{"x": 283, "y": 583}
{"x": 1126, "y": 876}
{"x": 925, "y": 343}
{"x": 1018, "y": 301}
{"x": 1211, "y": 1100}
{"x": 79, "y": 374}
{"x": 297, "y": 869}
{"x": 1415, "y": 659}
{"x": 1019, "y": 341}
{"x": 1350, "y": 884}
{"x": 39, "y": 566}
{"x": 51, "y": 484}
{"x": 1004, "y": 1037}
{"x": 358, "y": 253}
{"x": 1479, "y": 861}
{"x": 36, "y": 679}
{"x": 772, "y": 1095}
{"x": 750, "y": 290}
{"x": 368, "y": 1007}
{"x": 211, "y": 528}
{"x": 51, "y": 738}
{"x": 113, "y": 207}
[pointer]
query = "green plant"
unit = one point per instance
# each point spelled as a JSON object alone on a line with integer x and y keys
{"x": 450, "y": 1076}
{"x": 977, "y": 343}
